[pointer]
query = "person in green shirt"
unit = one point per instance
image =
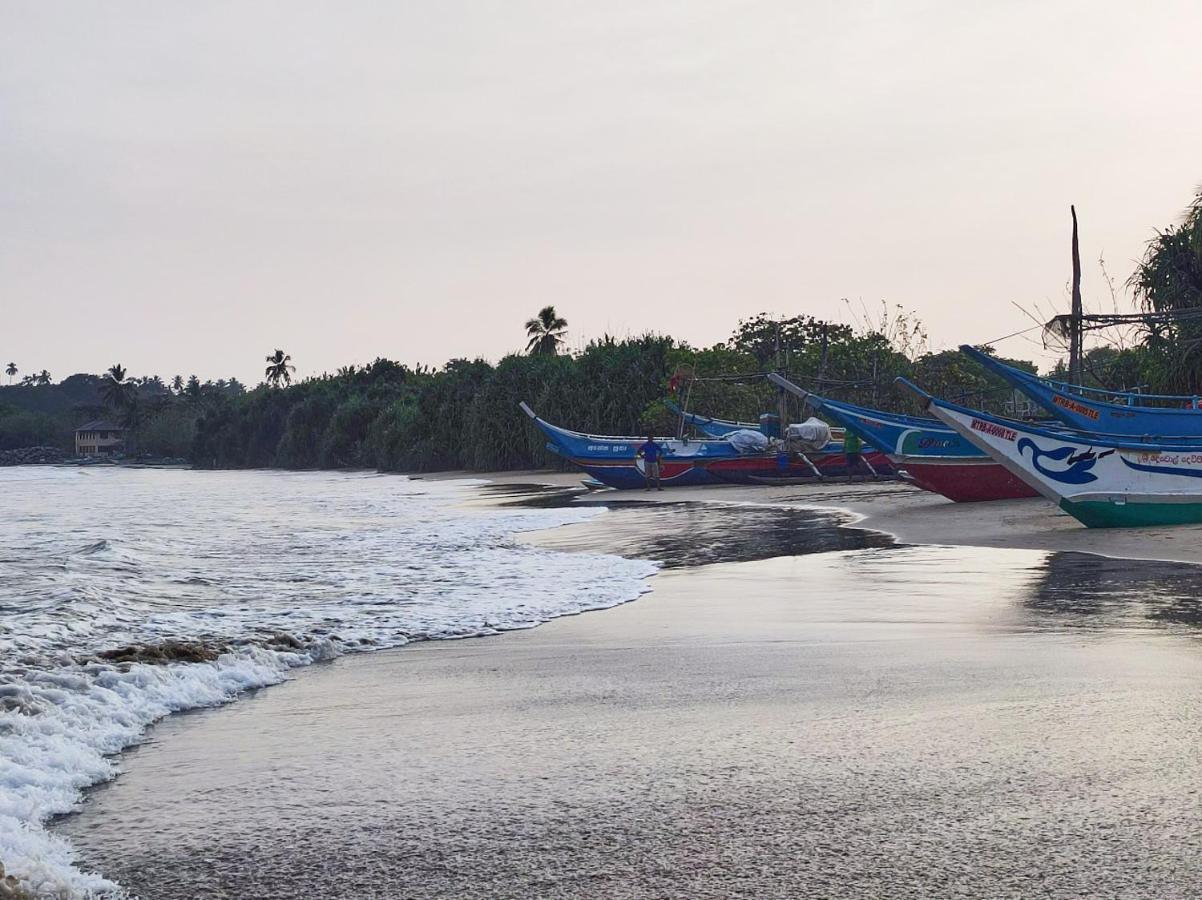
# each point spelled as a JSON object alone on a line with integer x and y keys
{"x": 852, "y": 447}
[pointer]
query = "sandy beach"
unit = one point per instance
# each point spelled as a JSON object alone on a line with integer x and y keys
{"x": 840, "y": 716}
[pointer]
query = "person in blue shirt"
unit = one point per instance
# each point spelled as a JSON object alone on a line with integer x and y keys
{"x": 650, "y": 453}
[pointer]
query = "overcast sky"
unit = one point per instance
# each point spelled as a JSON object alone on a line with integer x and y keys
{"x": 188, "y": 185}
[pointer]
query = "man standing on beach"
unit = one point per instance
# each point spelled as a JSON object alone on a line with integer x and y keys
{"x": 650, "y": 453}
{"x": 852, "y": 446}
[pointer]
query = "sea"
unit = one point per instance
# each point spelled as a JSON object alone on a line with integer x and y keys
{"x": 127, "y": 595}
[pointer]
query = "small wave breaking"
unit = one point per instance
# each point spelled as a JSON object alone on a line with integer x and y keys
{"x": 221, "y": 583}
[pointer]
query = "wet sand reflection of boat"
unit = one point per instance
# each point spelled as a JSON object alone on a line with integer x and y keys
{"x": 1088, "y": 591}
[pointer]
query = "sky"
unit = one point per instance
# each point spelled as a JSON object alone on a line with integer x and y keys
{"x": 187, "y": 186}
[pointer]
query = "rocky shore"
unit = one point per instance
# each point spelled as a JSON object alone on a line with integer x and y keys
{"x": 26, "y": 456}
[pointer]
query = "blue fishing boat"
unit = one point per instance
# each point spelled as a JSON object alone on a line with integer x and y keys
{"x": 895, "y": 433}
{"x": 1103, "y": 481}
{"x": 1109, "y": 412}
{"x": 769, "y": 424}
{"x": 715, "y": 428}
{"x": 932, "y": 455}
{"x": 614, "y": 461}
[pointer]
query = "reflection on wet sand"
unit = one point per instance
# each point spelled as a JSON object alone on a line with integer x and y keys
{"x": 680, "y": 534}
{"x": 1088, "y": 591}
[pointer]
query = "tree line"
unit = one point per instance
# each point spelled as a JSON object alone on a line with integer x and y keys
{"x": 465, "y": 415}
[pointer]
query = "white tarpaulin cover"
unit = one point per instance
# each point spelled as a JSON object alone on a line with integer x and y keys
{"x": 813, "y": 433}
{"x": 748, "y": 441}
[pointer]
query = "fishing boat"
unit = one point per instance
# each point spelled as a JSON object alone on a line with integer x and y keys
{"x": 715, "y": 428}
{"x": 1104, "y": 481}
{"x": 830, "y": 461}
{"x": 614, "y": 461}
{"x": 929, "y": 454}
{"x": 1109, "y": 412}
{"x": 797, "y": 468}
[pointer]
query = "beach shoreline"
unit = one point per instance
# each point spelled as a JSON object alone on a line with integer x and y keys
{"x": 697, "y": 742}
{"x": 747, "y": 728}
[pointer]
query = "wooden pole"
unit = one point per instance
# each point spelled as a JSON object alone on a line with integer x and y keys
{"x": 1074, "y": 346}
{"x": 826, "y": 346}
{"x": 782, "y": 399}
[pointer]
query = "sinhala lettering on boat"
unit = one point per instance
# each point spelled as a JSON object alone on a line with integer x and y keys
{"x": 1167, "y": 464}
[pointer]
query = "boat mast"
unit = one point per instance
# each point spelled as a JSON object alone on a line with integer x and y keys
{"x": 1075, "y": 330}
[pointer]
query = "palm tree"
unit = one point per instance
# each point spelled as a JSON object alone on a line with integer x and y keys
{"x": 1168, "y": 282}
{"x": 43, "y": 377}
{"x": 279, "y": 369}
{"x": 11, "y": 371}
{"x": 116, "y": 389}
{"x": 546, "y": 332}
{"x": 131, "y": 417}
{"x": 177, "y": 384}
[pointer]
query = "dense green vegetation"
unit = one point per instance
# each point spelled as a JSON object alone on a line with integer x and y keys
{"x": 465, "y": 415}
{"x": 162, "y": 419}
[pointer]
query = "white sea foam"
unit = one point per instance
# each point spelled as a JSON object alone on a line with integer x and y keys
{"x": 270, "y": 570}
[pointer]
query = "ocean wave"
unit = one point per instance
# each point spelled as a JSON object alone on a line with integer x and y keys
{"x": 197, "y": 587}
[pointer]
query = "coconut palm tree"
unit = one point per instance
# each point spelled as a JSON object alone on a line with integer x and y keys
{"x": 116, "y": 389}
{"x": 43, "y": 377}
{"x": 278, "y": 370}
{"x": 177, "y": 384}
{"x": 11, "y": 371}
{"x": 131, "y": 420}
{"x": 1169, "y": 282}
{"x": 546, "y": 332}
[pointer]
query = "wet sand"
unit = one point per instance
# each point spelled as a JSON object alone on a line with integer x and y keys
{"x": 883, "y": 721}
{"x": 914, "y": 516}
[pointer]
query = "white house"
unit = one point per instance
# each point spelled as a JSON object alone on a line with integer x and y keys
{"x": 99, "y": 438}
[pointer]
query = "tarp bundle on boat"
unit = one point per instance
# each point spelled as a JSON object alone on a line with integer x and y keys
{"x": 747, "y": 441}
{"x": 812, "y": 434}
